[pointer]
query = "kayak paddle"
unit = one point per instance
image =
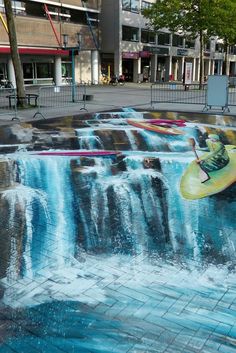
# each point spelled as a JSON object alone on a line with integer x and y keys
{"x": 203, "y": 176}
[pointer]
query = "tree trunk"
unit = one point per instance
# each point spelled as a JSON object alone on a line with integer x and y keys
{"x": 15, "y": 53}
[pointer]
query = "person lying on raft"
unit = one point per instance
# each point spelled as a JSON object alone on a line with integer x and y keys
{"x": 218, "y": 157}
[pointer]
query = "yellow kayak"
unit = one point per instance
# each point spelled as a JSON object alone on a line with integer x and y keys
{"x": 191, "y": 187}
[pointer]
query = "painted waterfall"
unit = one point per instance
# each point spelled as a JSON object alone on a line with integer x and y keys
{"x": 103, "y": 248}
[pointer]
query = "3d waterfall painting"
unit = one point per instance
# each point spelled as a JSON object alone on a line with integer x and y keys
{"x": 118, "y": 234}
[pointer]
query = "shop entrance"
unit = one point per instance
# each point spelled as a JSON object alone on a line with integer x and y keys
{"x": 128, "y": 69}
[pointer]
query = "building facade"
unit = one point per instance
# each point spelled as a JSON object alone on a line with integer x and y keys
{"x": 40, "y": 26}
{"x": 128, "y": 47}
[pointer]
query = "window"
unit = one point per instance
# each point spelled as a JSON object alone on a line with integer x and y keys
{"x": 146, "y": 5}
{"x": 190, "y": 43}
{"x": 130, "y": 34}
{"x": 232, "y": 49}
{"x": 164, "y": 39}
{"x": 177, "y": 41}
{"x": 219, "y": 47}
{"x": 18, "y": 7}
{"x": 148, "y": 36}
{"x": 44, "y": 70}
{"x": 130, "y": 5}
{"x": 208, "y": 46}
{"x": 57, "y": 13}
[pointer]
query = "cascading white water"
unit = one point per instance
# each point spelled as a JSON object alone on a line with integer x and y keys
{"x": 23, "y": 197}
{"x": 88, "y": 140}
{"x": 50, "y": 177}
{"x": 124, "y": 210}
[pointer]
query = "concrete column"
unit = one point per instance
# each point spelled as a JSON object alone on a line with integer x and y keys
{"x": 209, "y": 67}
{"x": 179, "y": 70}
{"x": 182, "y": 68}
{"x": 194, "y": 70}
{"x": 118, "y": 63}
{"x": 137, "y": 69}
{"x": 153, "y": 68}
{"x": 57, "y": 70}
{"x": 11, "y": 72}
{"x": 168, "y": 68}
{"x": 212, "y": 67}
{"x": 198, "y": 70}
{"x": 220, "y": 67}
{"x": 94, "y": 66}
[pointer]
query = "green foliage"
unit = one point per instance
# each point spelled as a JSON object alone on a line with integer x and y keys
{"x": 195, "y": 17}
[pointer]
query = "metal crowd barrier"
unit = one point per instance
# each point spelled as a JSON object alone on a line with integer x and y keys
{"x": 8, "y": 103}
{"x": 59, "y": 97}
{"x": 178, "y": 93}
{"x": 232, "y": 96}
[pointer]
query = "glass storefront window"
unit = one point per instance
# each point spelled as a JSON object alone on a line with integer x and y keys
{"x": 130, "y": 34}
{"x": 66, "y": 69}
{"x": 44, "y": 70}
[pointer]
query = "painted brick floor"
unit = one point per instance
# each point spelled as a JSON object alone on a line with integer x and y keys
{"x": 124, "y": 304}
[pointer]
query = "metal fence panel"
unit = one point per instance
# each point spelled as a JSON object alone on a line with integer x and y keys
{"x": 54, "y": 97}
{"x": 178, "y": 93}
{"x": 8, "y": 103}
{"x": 232, "y": 96}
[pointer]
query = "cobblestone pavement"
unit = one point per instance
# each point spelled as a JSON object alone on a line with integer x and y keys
{"x": 121, "y": 304}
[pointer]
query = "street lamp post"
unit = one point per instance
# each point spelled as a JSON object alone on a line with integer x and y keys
{"x": 73, "y": 50}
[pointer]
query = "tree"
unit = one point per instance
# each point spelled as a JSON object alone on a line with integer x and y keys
{"x": 193, "y": 18}
{"x": 15, "y": 53}
{"x": 225, "y": 25}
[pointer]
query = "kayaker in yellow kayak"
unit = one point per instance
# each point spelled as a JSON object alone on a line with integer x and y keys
{"x": 218, "y": 157}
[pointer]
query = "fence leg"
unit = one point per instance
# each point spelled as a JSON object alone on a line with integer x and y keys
{"x": 39, "y": 114}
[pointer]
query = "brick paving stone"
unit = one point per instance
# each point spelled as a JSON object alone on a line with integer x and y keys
{"x": 197, "y": 342}
{"x": 163, "y": 323}
{"x": 178, "y": 307}
{"x": 130, "y": 309}
{"x": 217, "y": 316}
{"x": 167, "y": 337}
{"x": 132, "y": 293}
{"x": 146, "y": 309}
{"x": 115, "y": 310}
{"x": 223, "y": 329}
{"x": 101, "y": 308}
{"x": 184, "y": 321}
{"x": 227, "y": 349}
{"x": 138, "y": 348}
{"x": 183, "y": 338}
{"x": 122, "y": 348}
{"x": 115, "y": 294}
{"x": 166, "y": 291}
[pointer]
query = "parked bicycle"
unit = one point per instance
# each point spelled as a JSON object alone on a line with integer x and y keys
{"x": 6, "y": 84}
{"x": 117, "y": 80}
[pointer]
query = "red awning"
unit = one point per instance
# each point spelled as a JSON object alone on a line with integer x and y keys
{"x": 36, "y": 51}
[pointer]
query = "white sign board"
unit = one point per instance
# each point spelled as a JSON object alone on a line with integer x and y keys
{"x": 188, "y": 73}
{"x": 217, "y": 90}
